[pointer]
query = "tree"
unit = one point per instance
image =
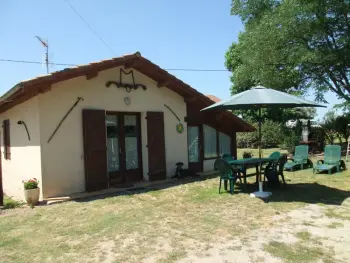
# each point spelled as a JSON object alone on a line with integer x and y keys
{"x": 297, "y": 46}
{"x": 271, "y": 135}
{"x": 336, "y": 126}
{"x": 329, "y": 126}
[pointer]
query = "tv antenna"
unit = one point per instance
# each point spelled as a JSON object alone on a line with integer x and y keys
{"x": 46, "y": 45}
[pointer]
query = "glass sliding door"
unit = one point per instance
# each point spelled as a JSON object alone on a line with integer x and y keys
{"x": 193, "y": 144}
{"x": 194, "y": 149}
{"x": 123, "y": 147}
{"x": 113, "y": 162}
{"x": 131, "y": 142}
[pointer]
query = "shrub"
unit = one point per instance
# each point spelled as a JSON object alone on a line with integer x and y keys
{"x": 10, "y": 203}
{"x": 290, "y": 141}
{"x": 271, "y": 135}
{"x": 247, "y": 155}
{"x": 30, "y": 184}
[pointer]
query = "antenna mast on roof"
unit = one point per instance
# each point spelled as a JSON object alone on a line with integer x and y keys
{"x": 46, "y": 45}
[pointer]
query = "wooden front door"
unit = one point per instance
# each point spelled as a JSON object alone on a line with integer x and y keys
{"x": 95, "y": 159}
{"x": 194, "y": 147}
{"x": 124, "y": 162}
{"x": 156, "y": 146}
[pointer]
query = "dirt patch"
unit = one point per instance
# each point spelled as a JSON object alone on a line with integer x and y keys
{"x": 302, "y": 235}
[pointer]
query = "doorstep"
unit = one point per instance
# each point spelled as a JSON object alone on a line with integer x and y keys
{"x": 109, "y": 191}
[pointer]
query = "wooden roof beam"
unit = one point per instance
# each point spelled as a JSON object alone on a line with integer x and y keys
{"x": 163, "y": 83}
{"x": 91, "y": 75}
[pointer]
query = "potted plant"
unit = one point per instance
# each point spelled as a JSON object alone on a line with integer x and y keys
{"x": 31, "y": 191}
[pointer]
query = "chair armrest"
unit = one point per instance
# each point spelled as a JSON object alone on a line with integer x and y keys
{"x": 320, "y": 162}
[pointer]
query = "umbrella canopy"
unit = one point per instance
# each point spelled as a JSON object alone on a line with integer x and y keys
{"x": 261, "y": 97}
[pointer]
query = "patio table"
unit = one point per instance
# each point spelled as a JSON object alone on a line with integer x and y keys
{"x": 243, "y": 164}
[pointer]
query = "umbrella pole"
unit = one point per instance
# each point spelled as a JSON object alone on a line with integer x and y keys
{"x": 259, "y": 132}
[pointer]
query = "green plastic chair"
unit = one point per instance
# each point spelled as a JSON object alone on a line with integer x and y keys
{"x": 226, "y": 173}
{"x": 275, "y": 155}
{"x": 227, "y": 157}
{"x": 332, "y": 159}
{"x": 301, "y": 158}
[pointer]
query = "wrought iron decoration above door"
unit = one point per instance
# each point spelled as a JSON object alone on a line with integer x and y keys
{"x": 126, "y": 86}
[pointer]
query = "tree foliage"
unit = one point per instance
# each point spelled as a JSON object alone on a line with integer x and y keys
{"x": 271, "y": 135}
{"x": 295, "y": 46}
{"x": 336, "y": 127}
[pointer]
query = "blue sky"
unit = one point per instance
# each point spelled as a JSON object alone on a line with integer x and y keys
{"x": 172, "y": 34}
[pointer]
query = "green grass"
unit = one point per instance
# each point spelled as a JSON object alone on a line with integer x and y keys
{"x": 343, "y": 215}
{"x": 166, "y": 224}
{"x": 335, "y": 225}
{"x": 10, "y": 203}
{"x": 304, "y": 235}
{"x": 298, "y": 252}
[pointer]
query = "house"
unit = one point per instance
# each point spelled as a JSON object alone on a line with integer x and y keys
{"x": 105, "y": 124}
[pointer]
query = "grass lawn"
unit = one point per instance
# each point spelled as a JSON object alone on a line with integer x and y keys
{"x": 167, "y": 225}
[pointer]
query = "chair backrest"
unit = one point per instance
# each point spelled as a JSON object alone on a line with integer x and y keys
{"x": 281, "y": 162}
{"x": 301, "y": 152}
{"x": 275, "y": 155}
{"x": 227, "y": 157}
{"x": 332, "y": 154}
{"x": 223, "y": 167}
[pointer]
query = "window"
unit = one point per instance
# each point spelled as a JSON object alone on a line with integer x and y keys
{"x": 210, "y": 142}
{"x": 193, "y": 144}
{"x": 6, "y": 137}
{"x": 224, "y": 144}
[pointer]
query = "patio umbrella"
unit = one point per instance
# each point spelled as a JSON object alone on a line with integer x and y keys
{"x": 260, "y": 97}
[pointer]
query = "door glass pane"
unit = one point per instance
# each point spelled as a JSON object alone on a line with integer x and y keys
{"x": 193, "y": 144}
{"x": 112, "y": 129}
{"x": 131, "y": 136}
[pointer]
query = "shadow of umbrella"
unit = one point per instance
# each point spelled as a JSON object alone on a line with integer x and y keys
{"x": 310, "y": 193}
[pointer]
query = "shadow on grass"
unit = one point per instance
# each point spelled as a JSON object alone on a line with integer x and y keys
{"x": 312, "y": 193}
{"x": 153, "y": 188}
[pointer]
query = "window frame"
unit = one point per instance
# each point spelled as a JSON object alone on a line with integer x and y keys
{"x": 230, "y": 145}
{"x": 217, "y": 143}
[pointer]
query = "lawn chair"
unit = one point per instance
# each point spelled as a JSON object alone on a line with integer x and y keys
{"x": 228, "y": 157}
{"x": 226, "y": 173}
{"x": 275, "y": 169}
{"x": 332, "y": 159}
{"x": 300, "y": 158}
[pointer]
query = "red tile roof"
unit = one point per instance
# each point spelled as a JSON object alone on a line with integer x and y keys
{"x": 29, "y": 88}
{"x": 213, "y": 98}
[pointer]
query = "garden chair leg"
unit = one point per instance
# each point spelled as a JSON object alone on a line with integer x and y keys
{"x": 231, "y": 186}
{"x": 220, "y": 186}
{"x": 282, "y": 175}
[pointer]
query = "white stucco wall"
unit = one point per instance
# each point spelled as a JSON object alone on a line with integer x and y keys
{"x": 62, "y": 158}
{"x": 25, "y": 160}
